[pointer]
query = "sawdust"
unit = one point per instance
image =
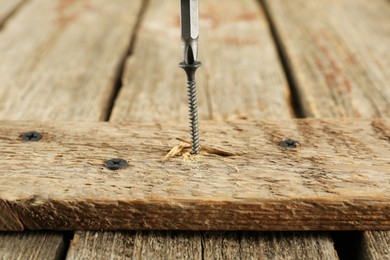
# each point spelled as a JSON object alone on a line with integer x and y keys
{"x": 184, "y": 150}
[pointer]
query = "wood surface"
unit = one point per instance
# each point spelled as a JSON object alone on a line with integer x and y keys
{"x": 338, "y": 53}
{"x": 268, "y": 245}
{"x": 135, "y": 245}
{"x": 240, "y": 65}
{"x": 337, "y": 179}
{"x": 8, "y": 8}
{"x": 340, "y": 64}
{"x": 376, "y": 245}
{"x": 201, "y": 245}
{"x": 210, "y": 114}
{"x": 37, "y": 245}
{"x": 66, "y": 69}
{"x": 248, "y": 57}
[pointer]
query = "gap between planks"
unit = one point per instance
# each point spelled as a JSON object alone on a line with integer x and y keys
{"x": 338, "y": 179}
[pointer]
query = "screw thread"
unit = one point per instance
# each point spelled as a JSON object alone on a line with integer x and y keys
{"x": 193, "y": 115}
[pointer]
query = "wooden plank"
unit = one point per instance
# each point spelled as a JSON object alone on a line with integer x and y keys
{"x": 36, "y": 245}
{"x": 201, "y": 245}
{"x": 8, "y": 220}
{"x": 271, "y": 245}
{"x": 102, "y": 245}
{"x": 340, "y": 59}
{"x": 7, "y": 8}
{"x": 340, "y": 63}
{"x": 248, "y": 56}
{"x": 67, "y": 68}
{"x": 338, "y": 179}
{"x": 119, "y": 245}
{"x": 50, "y": 73}
{"x": 240, "y": 64}
{"x": 376, "y": 245}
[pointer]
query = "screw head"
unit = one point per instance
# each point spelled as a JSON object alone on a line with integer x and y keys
{"x": 289, "y": 143}
{"x": 31, "y": 136}
{"x": 116, "y": 164}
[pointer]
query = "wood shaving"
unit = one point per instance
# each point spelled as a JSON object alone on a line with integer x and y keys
{"x": 177, "y": 150}
{"x": 184, "y": 149}
{"x": 211, "y": 150}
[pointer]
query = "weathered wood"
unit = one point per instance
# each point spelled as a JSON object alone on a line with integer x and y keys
{"x": 338, "y": 179}
{"x": 66, "y": 69}
{"x": 136, "y": 245}
{"x": 102, "y": 245}
{"x": 339, "y": 53}
{"x": 272, "y": 245}
{"x": 339, "y": 60}
{"x": 240, "y": 65}
{"x": 201, "y": 245}
{"x": 152, "y": 79}
{"x": 37, "y": 245}
{"x": 7, "y": 8}
{"x": 8, "y": 220}
{"x": 376, "y": 245}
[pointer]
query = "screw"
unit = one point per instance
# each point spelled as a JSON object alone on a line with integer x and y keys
{"x": 116, "y": 164}
{"x": 31, "y": 136}
{"x": 190, "y": 70}
{"x": 189, "y": 21}
{"x": 289, "y": 143}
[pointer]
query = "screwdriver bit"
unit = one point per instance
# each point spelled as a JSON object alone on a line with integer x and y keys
{"x": 189, "y": 35}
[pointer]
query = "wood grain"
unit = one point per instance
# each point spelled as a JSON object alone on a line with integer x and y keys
{"x": 102, "y": 245}
{"x": 340, "y": 60}
{"x": 201, "y": 245}
{"x": 338, "y": 179}
{"x": 7, "y": 8}
{"x": 240, "y": 77}
{"x": 376, "y": 245}
{"x": 37, "y": 245}
{"x": 268, "y": 245}
{"x": 240, "y": 65}
{"x": 67, "y": 68}
{"x": 136, "y": 245}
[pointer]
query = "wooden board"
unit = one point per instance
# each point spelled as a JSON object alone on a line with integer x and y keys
{"x": 340, "y": 59}
{"x": 8, "y": 8}
{"x": 135, "y": 245}
{"x": 376, "y": 245}
{"x": 67, "y": 69}
{"x": 240, "y": 64}
{"x": 339, "y": 63}
{"x": 338, "y": 179}
{"x": 162, "y": 96}
{"x": 37, "y": 245}
{"x": 201, "y": 245}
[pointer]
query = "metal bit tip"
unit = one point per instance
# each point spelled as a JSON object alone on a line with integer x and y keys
{"x": 190, "y": 30}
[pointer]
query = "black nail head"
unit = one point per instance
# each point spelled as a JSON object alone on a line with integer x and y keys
{"x": 116, "y": 164}
{"x": 289, "y": 143}
{"x": 31, "y": 136}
